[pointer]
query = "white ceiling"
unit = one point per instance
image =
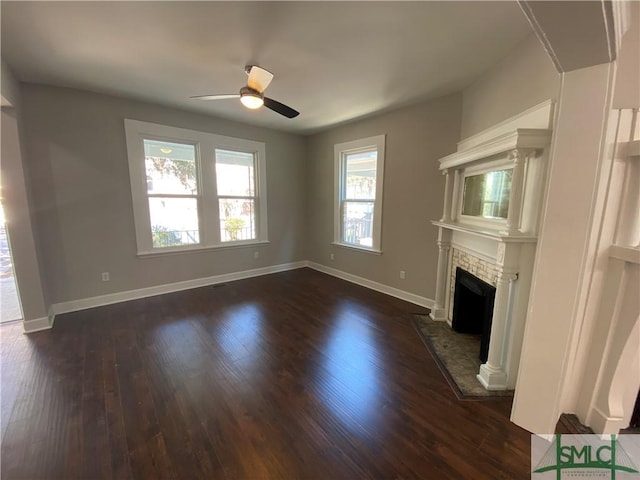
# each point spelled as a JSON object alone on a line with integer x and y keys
{"x": 333, "y": 61}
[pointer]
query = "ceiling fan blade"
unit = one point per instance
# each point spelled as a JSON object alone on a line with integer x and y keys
{"x": 280, "y": 108}
{"x": 259, "y": 78}
{"x": 217, "y": 97}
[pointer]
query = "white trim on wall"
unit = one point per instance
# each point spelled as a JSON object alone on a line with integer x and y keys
{"x": 205, "y": 145}
{"x": 537, "y": 117}
{"x": 102, "y": 300}
{"x": 83, "y": 304}
{"x": 37, "y": 324}
{"x": 341, "y": 150}
{"x": 378, "y": 287}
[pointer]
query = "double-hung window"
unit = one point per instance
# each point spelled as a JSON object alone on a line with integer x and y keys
{"x": 194, "y": 190}
{"x": 172, "y": 193}
{"x": 235, "y": 182}
{"x": 359, "y": 168}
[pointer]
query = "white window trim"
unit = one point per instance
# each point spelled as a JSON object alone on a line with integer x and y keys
{"x": 206, "y": 144}
{"x": 340, "y": 152}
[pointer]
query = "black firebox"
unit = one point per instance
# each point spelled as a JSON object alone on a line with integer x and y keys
{"x": 473, "y": 308}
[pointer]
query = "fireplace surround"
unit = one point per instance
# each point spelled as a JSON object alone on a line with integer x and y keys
{"x": 498, "y": 248}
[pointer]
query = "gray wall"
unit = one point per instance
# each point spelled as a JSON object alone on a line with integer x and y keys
{"x": 524, "y": 78}
{"x": 78, "y": 170}
{"x": 10, "y": 89}
{"x": 18, "y": 219}
{"x": 416, "y": 137}
{"x": 16, "y": 200}
{"x": 77, "y": 173}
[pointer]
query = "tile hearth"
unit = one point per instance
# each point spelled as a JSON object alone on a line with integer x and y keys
{"x": 457, "y": 357}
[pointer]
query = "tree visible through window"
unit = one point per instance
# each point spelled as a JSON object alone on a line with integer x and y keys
{"x": 173, "y": 193}
{"x": 194, "y": 189}
{"x": 235, "y": 175}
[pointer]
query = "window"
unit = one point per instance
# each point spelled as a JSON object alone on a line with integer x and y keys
{"x": 194, "y": 190}
{"x": 359, "y": 167}
{"x": 172, "y": 193}
{"x": 236, "y": 195}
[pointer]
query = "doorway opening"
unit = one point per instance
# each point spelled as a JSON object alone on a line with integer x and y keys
{"x": 10, "y": 309}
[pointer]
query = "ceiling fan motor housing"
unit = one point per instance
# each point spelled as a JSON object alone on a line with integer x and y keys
{"x": 251, "y": 98}
{"x": 250, "y": 91}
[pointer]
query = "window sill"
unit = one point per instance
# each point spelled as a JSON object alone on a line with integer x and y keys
{"x": 199, "y": 248}
{"x": 358, "y": 248}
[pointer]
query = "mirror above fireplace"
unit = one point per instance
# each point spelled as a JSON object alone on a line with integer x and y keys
{"x": 487, "y": 194}
{"x": 495, "y": 186}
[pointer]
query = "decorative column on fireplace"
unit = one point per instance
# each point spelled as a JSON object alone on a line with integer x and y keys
{"x": 492, "y": 373}
{"x": 493, "y": 190}
{"x": 444, "y": 246}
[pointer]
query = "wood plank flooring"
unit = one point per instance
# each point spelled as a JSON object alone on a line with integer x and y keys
{"x": 288, "y": 376}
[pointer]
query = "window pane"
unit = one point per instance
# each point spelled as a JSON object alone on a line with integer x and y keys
{"x": 237, "y": 219}
{"x": 357, "y": 223}
{"x": 235, "y": 173}
{"x": 360, "y": 171}
{"x": 174, "y": 221}
{"x": 171, "y": 167}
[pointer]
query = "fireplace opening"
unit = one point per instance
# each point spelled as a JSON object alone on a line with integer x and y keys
{"x": 473, "y": 308}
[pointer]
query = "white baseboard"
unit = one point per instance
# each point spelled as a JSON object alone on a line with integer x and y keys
{"x": 83, "y": 304}
{"x": 379, "y": 287}
{"x": 37, "y": 324}
{"x": 603, "y": 423}
{"x": 102, "y": 300}
{"x": 438, "y": 314}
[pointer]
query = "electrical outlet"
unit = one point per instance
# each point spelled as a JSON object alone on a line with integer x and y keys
{"x": 105, "y": 276}
{"x": 403, "y": 274}
{"x": 256, "y": 255}
{"x": 332, "y": 257}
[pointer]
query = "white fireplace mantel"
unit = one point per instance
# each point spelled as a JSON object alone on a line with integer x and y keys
{"x": 519, "y": 138}
{"x": 485, "y": 232}
{"x": 506, "y": 246}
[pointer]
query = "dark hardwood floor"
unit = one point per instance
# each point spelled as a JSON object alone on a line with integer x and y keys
{"x": 285, "y": 376}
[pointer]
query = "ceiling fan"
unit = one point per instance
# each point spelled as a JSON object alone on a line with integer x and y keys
{"x": 252, "y": 96}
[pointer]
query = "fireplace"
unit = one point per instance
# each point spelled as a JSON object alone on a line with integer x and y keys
{"x": 504, "y": 164}
{"x": 473, "y": 308}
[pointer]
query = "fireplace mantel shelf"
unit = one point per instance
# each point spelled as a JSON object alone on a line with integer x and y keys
{"x": 486, "y": 233}
{"x": 525, "y": 138}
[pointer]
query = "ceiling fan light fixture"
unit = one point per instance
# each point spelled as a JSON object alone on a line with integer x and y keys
{"x": 251, "y": 98}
